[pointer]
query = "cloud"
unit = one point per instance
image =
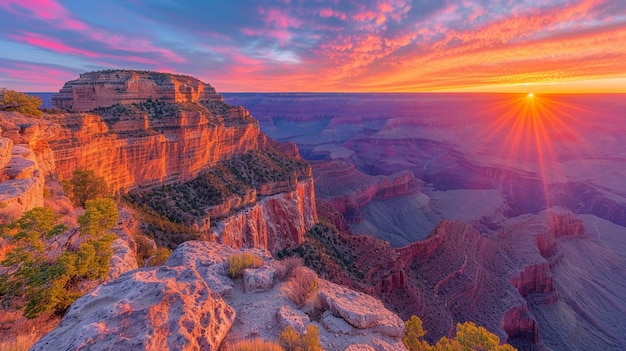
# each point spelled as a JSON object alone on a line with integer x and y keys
{"x": 386, "y": 45}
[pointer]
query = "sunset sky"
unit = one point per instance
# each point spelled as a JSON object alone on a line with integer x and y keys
{"x": 332, "y": 45}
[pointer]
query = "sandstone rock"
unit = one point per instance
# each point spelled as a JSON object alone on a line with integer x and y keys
{"x": 349, "y": 190}
{"x": 106, "y": 88}
{"x": 336, "y": 325}
{"x": 287, "y": 316}
{"x": 258, "y": 279}
{"x": 20, "y": 168}
{"x": 149, "y": 309}
{"x": 6, "y": 149}
{"x": 24, "y": 190}
{"x": 123, "y": 259}
{"x": 274, "y": 223}
{"x": 360, "y": 310}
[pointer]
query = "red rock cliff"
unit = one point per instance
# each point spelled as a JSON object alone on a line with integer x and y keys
{"x": 106, "y": 88}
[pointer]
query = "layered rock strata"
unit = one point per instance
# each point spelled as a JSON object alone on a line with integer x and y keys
{"x": 106, "y": 88}
{"x": 349, "y": 190}
{"x": 21, "y": 180}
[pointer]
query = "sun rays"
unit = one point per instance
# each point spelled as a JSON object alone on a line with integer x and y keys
{"x": 531, "y": 132}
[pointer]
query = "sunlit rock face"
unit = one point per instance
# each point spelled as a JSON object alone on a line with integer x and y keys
{"x": 147, "y": 138}
{"x": 191, "y": 304}
{"x": 274, "y": 223}
{"x": 106, "y": 88}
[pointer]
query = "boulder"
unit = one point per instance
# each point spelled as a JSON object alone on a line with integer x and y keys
{"x": 149, "y": 309}
{"x": 259, "y": 279}
{"x": 360, "y": 310}
{"x": 287, "y": 316}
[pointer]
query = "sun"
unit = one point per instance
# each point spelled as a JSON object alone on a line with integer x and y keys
{"x": 531, "y": 95}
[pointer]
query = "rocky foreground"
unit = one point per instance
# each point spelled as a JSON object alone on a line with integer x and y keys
{"x": 190, "y": 303}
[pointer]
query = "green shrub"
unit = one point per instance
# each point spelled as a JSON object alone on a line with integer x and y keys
{"x": 240, "y": 261}
{"x": 100, "y": 215}
{"x": 11, "y": 100}
{"x": 160, "y": 256}
{"x": 85, "y": 185}
{"x": 52, "y": 284}
{"x": 468, "y": 336}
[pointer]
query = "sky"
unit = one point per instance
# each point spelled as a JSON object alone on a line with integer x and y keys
{"x": 322, "y": 45}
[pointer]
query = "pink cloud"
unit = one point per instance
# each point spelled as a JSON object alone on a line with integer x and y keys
{"x": 35, "y": 77}
{"x": 278, "y": 19}
{"x": 55, "y": 45}
{"x": 326, "y": 13}
{"x": 53, "y": 13}
{"x": 47, "y": 10}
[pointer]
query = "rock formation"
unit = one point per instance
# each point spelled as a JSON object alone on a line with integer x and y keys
{"x": 106, "y": 88}
{"x": 274, "y": 223}
{"x": 190, "y": 303}
{"x": 174, "y": 148}
{"x": 21, "y": 180}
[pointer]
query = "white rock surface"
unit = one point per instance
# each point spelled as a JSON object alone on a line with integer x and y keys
{"x": 191, "y": 304}
{"x": 259, "y": 279}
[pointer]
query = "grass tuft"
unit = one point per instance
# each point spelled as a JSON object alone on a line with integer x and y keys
{"x": 238, "y": 262}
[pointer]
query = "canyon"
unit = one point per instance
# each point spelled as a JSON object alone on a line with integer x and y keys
{"x": 480, "y": 163}
{"x": 399, "y": 208}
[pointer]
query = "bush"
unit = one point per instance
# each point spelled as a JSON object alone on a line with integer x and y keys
{"x": 302, "y": 286}
{"x": 468, "y": 336}
{"x": 85, "y": 185}
{"x": 413, "y": 334}
{"x": 238, "y": 262}
{"x": 291, "y": 340}
{"x": 100, "y": 215}
{"x": 52, "y": 284}
{"x": 255, "y": 345}
{"x": 160, "y": 256}
{"x": 11, "y": 100}
{"x": 286, "y": 267}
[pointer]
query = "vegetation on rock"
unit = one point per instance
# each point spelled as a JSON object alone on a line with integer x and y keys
{"x": 291, "y": 340}
{"x": 240, "y": 261}
{"x": 40, "y": 282}
{"x": 11, "y": 100}
{"x": 469, "y": 337}
{"x": 321, "y": 252}
{"x": 85, "y": 185}
{"x": 184, "y": 203}
{"x": 302, "y": 286}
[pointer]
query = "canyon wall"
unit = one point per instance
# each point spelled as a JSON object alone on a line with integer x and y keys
{"x": 348, "y": 190}
{"x": 274, "y": 223}
{"x": 106, "y": 88}
{"x": 159, "y": 155}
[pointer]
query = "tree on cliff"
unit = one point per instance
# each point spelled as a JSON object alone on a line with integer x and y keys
{"x": 11, "y": 100}
{"x": 43, "y": 283}
{"x": 85, "y": 185}
{"x": 469, "y": 337}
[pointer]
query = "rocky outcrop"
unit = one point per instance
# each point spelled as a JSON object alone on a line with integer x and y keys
{"x": 191, "y": 304}
{"x": 21, "y": 181}
{"x": 106, "y": 88}
{"x": 148, "y": 309}
{"x": 274, "y": 223}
